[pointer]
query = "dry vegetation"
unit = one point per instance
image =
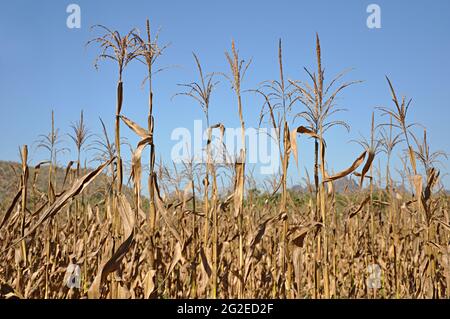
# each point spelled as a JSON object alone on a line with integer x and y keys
{"x": 188, "y": 239}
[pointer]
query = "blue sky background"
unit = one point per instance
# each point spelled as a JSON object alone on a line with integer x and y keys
{"x": 44, "y": 65}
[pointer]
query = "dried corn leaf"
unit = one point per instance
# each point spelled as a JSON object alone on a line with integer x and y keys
{"x": 361, "y": 206}
{"x": 293, "y": 139}
{"x": 11, "y": 207}
{"x": 112, "y": 264}
{"x": 349, "y": 170}
{"x": 77, "y": 187}
{"x": 367, "y": 166}
{"x": 143, "y": 133}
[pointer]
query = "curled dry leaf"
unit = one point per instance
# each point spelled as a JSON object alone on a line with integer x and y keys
{"x": 37, "y": 168}
{"x": 11, "y": 208}
{"x": 349, "y": 170}
{"x": 367, "y": 166}
{"x": 361, "y": 206}
{"x": 165, "y": 214}
{"x": 177, "y": 256}
{"x": 205, "y": 263}
{"x": 112, "y": 264}
{"x": 136, "y": 166}
{"x": 299, "y": 235}
{"x": 239, "y": 168}
{"x": 254, "y": 240}
{"x": 69, "y": 165}
{"x": 149, "y": 283}
{"x": 293, "y": 139}
{"x": 143, "y": 133}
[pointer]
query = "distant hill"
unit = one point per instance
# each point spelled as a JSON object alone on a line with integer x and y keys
{"x": 345, "y": 184}
{"x": 10, "y": 174}
{"x": 9, "y": 181}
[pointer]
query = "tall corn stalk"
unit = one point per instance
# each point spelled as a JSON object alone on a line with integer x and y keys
{"x": 278, "y": 97}
{"x": 122, "y": 49}
{"x": 148, "y": 52}
{"x": 238, "y": 69}
{"x": 201, "y": 92}
{"x": 429, "y": 160}
{"x": 50, "y": 142}
{"x": 23, "y": 205}
{"x": 388, "y": 142}
{"x": 320, "y": 105}
{"x": 80, "y": 135}
{"x": 399, "y": 114}
{"x": 371, "y": 147}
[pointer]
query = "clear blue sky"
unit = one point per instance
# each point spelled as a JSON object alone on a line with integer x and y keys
{"x": 44, "y": 65}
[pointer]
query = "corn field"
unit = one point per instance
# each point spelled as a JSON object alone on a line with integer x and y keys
{"x": 201, "y": 230}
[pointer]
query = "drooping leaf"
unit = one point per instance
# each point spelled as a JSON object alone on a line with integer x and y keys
{"x": 293, "y": 139}
{"x": 347, "y": 171}
{"x": 78, "y": 186}
{"x": 11, "y": 207}
{"x": 143, "y": 133}
{"x": 112, "y": 264}
{"x": 367, "y": 166}
{"x": 361, "y": 206}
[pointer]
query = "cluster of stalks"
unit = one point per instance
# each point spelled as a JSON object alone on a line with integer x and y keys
{"x": 193, "y": 237}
